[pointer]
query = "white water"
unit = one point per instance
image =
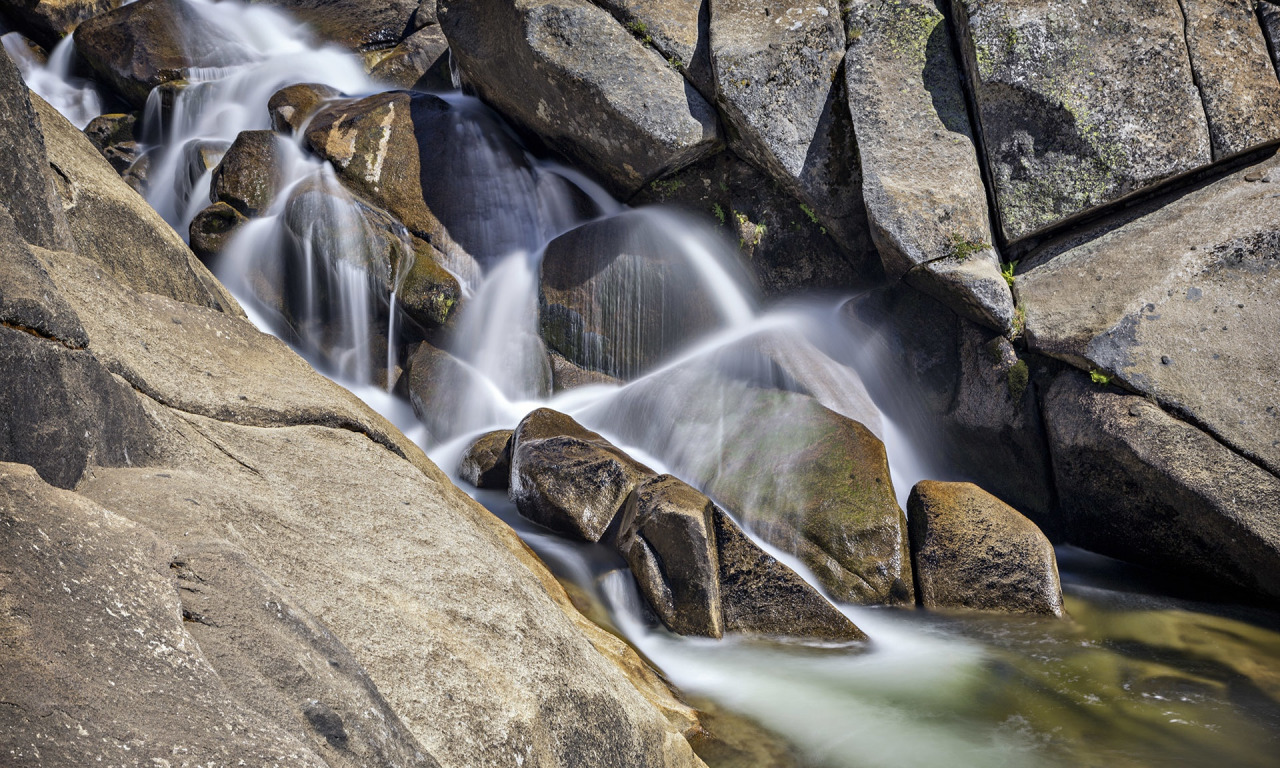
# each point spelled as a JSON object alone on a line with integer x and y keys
{"x": 77, "y": 99}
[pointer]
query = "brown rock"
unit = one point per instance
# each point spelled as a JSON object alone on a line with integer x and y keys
{"x": 290, "y": 107}
{"x": 487, "y": 462}
{"x": 247, "y": 176}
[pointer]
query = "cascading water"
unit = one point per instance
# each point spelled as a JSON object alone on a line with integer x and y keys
{"x": 932, "y": 689}
{"x": 54, "y": 80}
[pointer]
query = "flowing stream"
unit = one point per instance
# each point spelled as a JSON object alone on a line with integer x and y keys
{"x": 1134, "y": 677}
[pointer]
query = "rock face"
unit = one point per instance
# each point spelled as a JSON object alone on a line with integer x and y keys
{"x": 1139, "y": 485}
{"x": 676, "y": 29}
{"x": 247, "y": 177}
{"x": 1079, "y": 105}
{"x": 1269, "y": 16}
{"x": 25, "y": 176}
{"x": 617, "y": 295}
{"x": 920, "y": 177}
{"x": 569, "y": 72}
{"x": 1178, "y": 302}
{"x": 568, "y": 478}
{"x": 487, "y": 462}
{"x": 971, "y": 550}
{"x": 50, "y": 20}
{"x": 143, "y": 44}
{"x": 1233, "y": 70}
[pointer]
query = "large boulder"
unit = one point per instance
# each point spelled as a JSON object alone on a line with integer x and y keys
{"x": 138, "y": 46}
{"x": 971, "y": 550}
{"x": 572, "y": 74}
{"x": 1138, "y": 484}
{"x": 777, "y": 70}
{"x": 212, "y": 228}
{"x": 420, "y": 62}
{"x": 35, "y": 206}
{"x": 1176, "y": 301}
{"x": 48, "y": 21}
{"x": 920, "y": 177}
{"x": 569, "y": 478}
{"x": 676, "y": 29}
{"x": 1234, "y": 72}
{"x": 249, "y": 173}
{"x": 355, "y": 24}
{"x": 1079, "y": 105}
{"x": 618, "y": 295}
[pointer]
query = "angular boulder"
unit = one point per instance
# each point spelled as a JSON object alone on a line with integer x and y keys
{"x": 971, "y": 550}
{"x": 572, "y": 74}
{"x": 48, "y": 21}
{"x": 487, "y": 462}
{"x": 676, "y": 29}
{"x": 1177, "y": 301}
{"x": 1138, "y": 484}
{"x": 1079, "y": 105}
{"x": 566, "y": 375}
{"x": 568, "y": 478}
{"x": 420, "y": 62}
{"x": 247, "y": 176}
{"x": 1269, "y": 16}
{"x": 211, "y": 229}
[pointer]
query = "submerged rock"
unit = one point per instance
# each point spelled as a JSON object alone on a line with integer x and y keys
{"x": 971, "y": 550}
{"x": 487, "y": 462}
{"x": 676, "y": 29}
{"x": 572, "y": 74}
{"x": 565, "y": 375}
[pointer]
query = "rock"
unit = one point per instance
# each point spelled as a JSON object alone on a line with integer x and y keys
{"x": 1079, "y": 106}
{"x": 28, "y": 298}
{"x": 920, "y": 177}
{"x": 420, "y": 62}
{"x": 783, "y": 243}
{"x": 113, "y": 226}
{"x": 247, "y": 176}
{"x": 290, "y": 107}
{"x": 85, "y": 681}
{"x": 618, "y": 295}
{"x": 676, "y": 29}
{"x": 50, "y": 20}
{"x": 212, "y": 228}
{"x": 565, "y": 375}
{"x": 805, "y": 479}
{"x": 354, "y": 24}
{"x": 759, "y": 595}
{"x": 137, "y": 174}
{"x": 391, "y": 148}
{"x": 777, "y": 68}
{"x": 447, "y": 395}
{"x": 428, "y": 293}
{"x": 1137, "y": 484}
{"x": 1269, "y": 16}
{"x": 487, "y": 462}
{"x": 570, "y": 73}
{"x": 1173, "y": 300}
{"x": 971, "y": 550}
{"x": 112, "y": 129}
{"x": 1235, "y": 74}
{"x": 29, "y": 195}
{"x": 568, "y": 478}
{"x": 138, "y": 46}
{"x": 665, "y": 534}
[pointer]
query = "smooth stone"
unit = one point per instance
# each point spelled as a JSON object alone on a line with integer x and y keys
{"x": 487, "y": 462}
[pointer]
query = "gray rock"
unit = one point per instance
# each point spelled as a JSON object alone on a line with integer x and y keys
{"x": 487, "y": 462}
{"x": 666, "y": 535}
{"x": 1269, "y": 16}
{"x": 440, "y": 390}
{"x": 568, "y": 478}
{"x": 761, "y": 596}
{"x": 212, "y": 227}
{"x": 1177, "y": 301}
{"x": 971, "y": 550}
{"x": 1079, "y": 105}
{"x": 247, "y": 176}
{"x": 48, "y": 21}
{"x": 28, "y": 193}
{"x": 676, "y": 29}
{"x": 1140, "y": 485}
{"x": 777, "y": 67}
{"x": 292, "y": 106}
{"x": 1235, "y": 75}
{"x": 420, "y": 62}
{"x": 920, "y": 177}
{"x": 112, "y": 129}
{"x": 570, "y": 73}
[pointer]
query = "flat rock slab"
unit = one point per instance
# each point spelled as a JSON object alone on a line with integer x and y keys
{"x": 1179, "y": 304}
{"x": 1079, "y": 104}
{"x": 1137, "y": 484}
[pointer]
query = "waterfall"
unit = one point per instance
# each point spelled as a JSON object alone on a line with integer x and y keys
{"x": 77, "y": 99}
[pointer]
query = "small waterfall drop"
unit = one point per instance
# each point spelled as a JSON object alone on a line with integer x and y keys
{"x": 77, "y": 99}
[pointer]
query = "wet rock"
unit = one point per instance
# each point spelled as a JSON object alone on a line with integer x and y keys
{"x": 48, "y": 21}
{"x": 573, "y": 75}
{"x": 420, "y": 62}
{"x": 1191, "y": 278}
{"x": 1235, "y": 75}
{"x": 759, "y": 595}
{"x": 112, "y": 129}
{"x": 920, "y": 177}
{"x": 487, "y": 462}
{"x": 112, "y": 225}
{"x": 784, "y": 245}
{"x": 777, "y": 68}
{"x": 568, "y": 478}
{"x": 665, "y": 534}
{"x": 247, "y": 176}
{"x": 290, "y": 107}
{"x": 971, "y": 550}
{"x": 1137, "y": 484}
{"x": 566, "y": 375}
{"x": 138, "y": 46}
{"x": 212, "y": 228}
{"x": 1269, "y": 16}
{"x": 676, "y": 29}
{"x": 428, "y": 292}
{"x": 354, "y": 24}
{"x": 617, "y": 295}
{"x": 1079, "y": 105}
{"x": 440, "y": 389}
